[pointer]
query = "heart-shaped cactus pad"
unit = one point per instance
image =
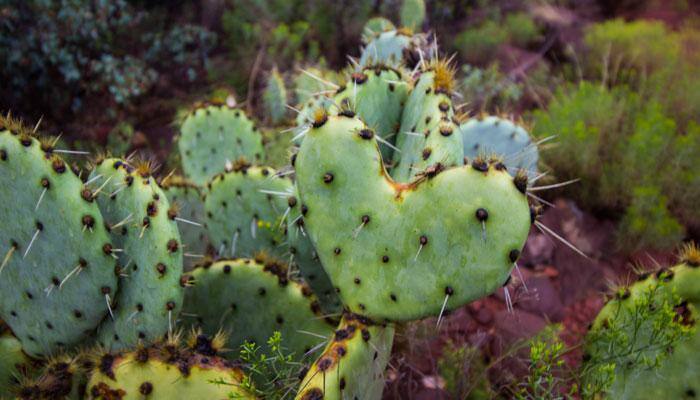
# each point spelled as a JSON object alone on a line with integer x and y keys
{"x": 406, "y": 251}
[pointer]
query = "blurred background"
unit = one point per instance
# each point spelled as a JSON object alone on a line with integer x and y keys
{"x": 617, "y": 82}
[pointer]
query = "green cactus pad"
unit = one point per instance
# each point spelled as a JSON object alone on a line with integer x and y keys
{"x": 250, "y": 300}
{"x": 384, "y": 244}
{"x": 243, "y": 210}
{"x": 412, "y": 14}
{"x": 377, "y": 96}
{"x": 13, "y": 364}
{"x": 428, "y": 134}
{"x": 388, "y": 48}
{"x": 306, "y": 259}
{"x": 496, "y": 136}
{"x": 375, "y": 26}
{"x": 52, "y": 233}
{"x": 352, "y": 365}
{"x": 150, "y": 263}
{"x": 187, "y": 207}
{"x": 275, "y": 98}
{"x": 313, "y": 82}
{"x": 212, "y": 136}
{"x": 167, "y": 371}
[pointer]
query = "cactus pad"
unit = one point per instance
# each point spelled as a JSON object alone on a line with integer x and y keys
{"x": 388, "y": 48}
{"x": 150, "y": 263}
{"x": 187, "y": 206}
{"x": 250, "y": 300}
{"x": 384, "y": 244}
{"x": 243, "y": 209}
{"x": 497, "y": 136}
{"x": 352, "y": 365}
{"x": 275, "y": 98}
{"x": 56, "y": 268}
{"x": 13, "y": 364}
{"x": 212, "y": 136}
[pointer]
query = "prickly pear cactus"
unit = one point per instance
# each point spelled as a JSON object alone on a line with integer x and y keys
{"x": 390, "y": 48}
{"x": 61, "y": 378}
{"x": 383, "y": 244}
{"x": 150, "y": 254}
{"x": 412, "y": 14}
{"x": 497, "y": 136}
{"x": 377, "y": 96}
{"x": 13, "y": 364}
{"x": 304, "y": 256}
{"x": 275, "y": 98}
{"x": 309, "y": 107}
{"x": 57, "y": 267}
{"x": 375, "y": 26}
{"x": 168, "y": 370}
{"x": 651, "y": 317}
{"x": 250, "y": 300}
{"x": 428, "y": 133}
{"x": 311, "y": 82}
{"x": 352, "y": 365}
{"x": 243, "y": 210}
{"x": 214, "y": 135}
{"x": 187, "y": 208}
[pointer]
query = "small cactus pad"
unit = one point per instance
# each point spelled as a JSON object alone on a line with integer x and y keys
{"x": 250, "y": 300}
{"x": 275, "y": 98}
{"x": 150, "y": 261}
{"x": 13, "y": 364}
{"x": 412, "y": 14}
{"x": 243, "y": 210}
{"x": 377, "y": 96}
{"x": 428, "y": 134}
{"x": 187, "y": 208}
{"x": 167, "y": 371}
{"x": 501, "y": 137}
{"x": 305, "y": 258}
{"x": 383, "y": 244}
{"x": 214, "y": 135}
{"x": 388, "y": 48}
{"x": 54, "y": 265}
{"x": 374, "y": 26}
{"x": 352, "y": 365}
{"x": 676, "y": 376}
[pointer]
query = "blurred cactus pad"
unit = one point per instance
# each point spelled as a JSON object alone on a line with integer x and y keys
{"x": 355, "y": 200}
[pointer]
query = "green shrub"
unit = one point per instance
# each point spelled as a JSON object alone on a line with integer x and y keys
{"x": 488, "y": 88}
{"x": 521, "y": 29}
{"x": 479, "y": 44}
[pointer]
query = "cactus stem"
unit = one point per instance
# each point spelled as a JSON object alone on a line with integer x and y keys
{"x": 542, "y": 227}
{"x": 6, "y": 260}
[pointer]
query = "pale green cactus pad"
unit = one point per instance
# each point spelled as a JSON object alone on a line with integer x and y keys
{"x": 275, "y": 98}
{"x": 187, "y": 208}
{"x": 243, "y": 211}
{"x": 150, "y": 255}
{"x": 13, "y": 364}
{"x": 388, "y": 48}
{"x": 214, "y": 135}
{"x": 249, "y": 300}
{"x": 57, "y": 267}
{"x": 352, "y": 365}
{"x": 384, "y": 244}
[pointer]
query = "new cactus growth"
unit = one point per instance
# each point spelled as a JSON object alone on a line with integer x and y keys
{"x": 497, "y": 136}
{"x": 646, "y": 336}
{"x": 250, "y": 300}
{"x": 390, "y": 48}
{"x": 377, "y": 239}
{"x": 214, "y": 135}
{"x": 243, "y": 209}
{"x": 275, "y": 98}
{"x": 51, "y": 303}
{"x": 374, "y": 26}
{"x": 187, "y": 208}
{"x": 352, "y": 364}
{"x": 168, "y": 370}
{"x": 149, "y": 256}
{"x": 412, "y": 14}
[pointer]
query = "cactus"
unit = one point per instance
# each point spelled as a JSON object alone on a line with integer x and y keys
{"x": 494, "y": 135}
{"x": 251, "y": 299}
{"x": 150, "y": 264}
{"x": 313, "y": 81}
{"x": 168, "y": 370}
{"x": 49, "y": 302}
{"x": 377, "y": 238}
{"x": 211, "y": 136}
{"x": 61, "y": 378}
{"x": 377, "y": 95}
{"x": 187, "y": 207}
{"x": 244, "y": 207}
{"x": 309, "y": 107}
{"x": 119, "y": 139}
{"x": 375, "y": 26}
{"x": 412, "y": 14}
{"x": 390, "y": 48}
{"x": 646, "y": 337}
{"x": 13, "y": 364}
{"x": 306, "y": 259}
{"x": 352, "y": 364}
{"x": 275, "y": 98}
{"x": 428, "y": 133}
